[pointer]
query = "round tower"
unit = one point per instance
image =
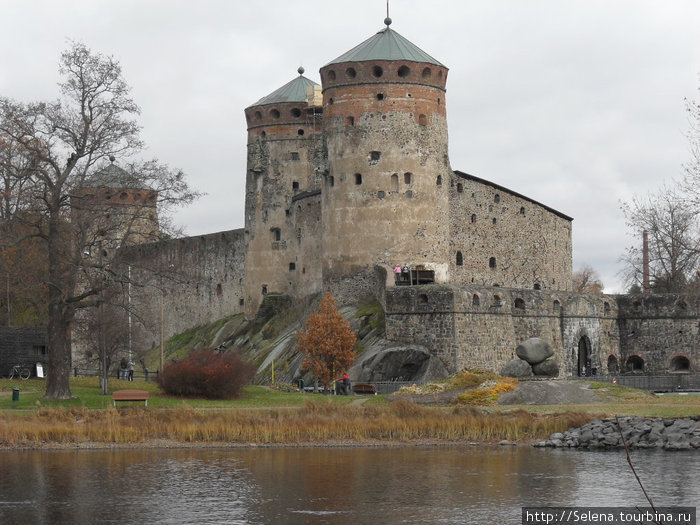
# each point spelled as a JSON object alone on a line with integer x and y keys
{"x": 385, "y": 194}
{"x": 283, "y": 131}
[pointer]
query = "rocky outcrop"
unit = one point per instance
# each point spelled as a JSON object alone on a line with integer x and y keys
{"x": 638, "y": 432}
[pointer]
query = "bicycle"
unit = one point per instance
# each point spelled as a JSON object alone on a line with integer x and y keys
{"x": 20, "y": 371}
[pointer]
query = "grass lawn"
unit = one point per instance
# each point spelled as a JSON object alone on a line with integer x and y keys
{"x": 86, "y": 394}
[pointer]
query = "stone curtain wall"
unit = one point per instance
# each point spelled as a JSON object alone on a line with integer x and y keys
{"x": 659, "y": 329}
{"x": 472, "y": 326}
{"x": 203, "y": 282}
{"x": 506, "y": 239}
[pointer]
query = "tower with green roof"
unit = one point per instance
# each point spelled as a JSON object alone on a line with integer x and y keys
{"x": 385, "y": 194}
{"x": 284, "y": 155}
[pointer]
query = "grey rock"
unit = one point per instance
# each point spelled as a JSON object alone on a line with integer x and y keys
{"x": 534, "y": 350}
{"x": 516, "y": 368}
{"x": 549, "y": 367}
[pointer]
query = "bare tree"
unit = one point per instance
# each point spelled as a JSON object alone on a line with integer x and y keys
{"x": 587, "y": 280}
{"x": 674, "y": 240}
{"x": 67, "y": 143}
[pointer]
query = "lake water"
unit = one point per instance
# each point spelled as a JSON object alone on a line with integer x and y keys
{"x": 426, "y": 485}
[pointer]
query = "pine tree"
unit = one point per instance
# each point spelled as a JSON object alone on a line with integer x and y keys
{"x": 328, "y": 342}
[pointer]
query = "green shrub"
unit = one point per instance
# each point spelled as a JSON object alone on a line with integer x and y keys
{"x": 207, "y": 374}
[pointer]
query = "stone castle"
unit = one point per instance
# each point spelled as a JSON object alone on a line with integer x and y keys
{"x": 348, "y": 179}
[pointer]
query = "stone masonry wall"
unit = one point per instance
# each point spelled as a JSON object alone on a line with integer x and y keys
{"x": 501, "y": 238}
{"x": 472, "y": 326}
{"x": 202, "y": 281}
{"x": 661, "y": 330}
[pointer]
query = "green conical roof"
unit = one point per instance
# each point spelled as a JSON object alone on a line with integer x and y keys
{"x": 112, "y": 176}
{"x": 387, "y": 44}
{"x": 294, "y": 91}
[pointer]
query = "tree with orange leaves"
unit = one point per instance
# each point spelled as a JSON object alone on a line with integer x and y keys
{"x": 328, "y": 342}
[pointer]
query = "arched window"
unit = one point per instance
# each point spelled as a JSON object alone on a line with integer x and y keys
{"x": 476, "y": 300}
{"x": 613, "y": 365}
{"x": 680, "y": 363}
{"x": 394, "y": 182}
{"x": 459, "y": 259}
{"x": 634, "y": 364}
{"x": 438, "y": 181}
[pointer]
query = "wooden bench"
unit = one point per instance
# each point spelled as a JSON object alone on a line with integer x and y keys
{"x": 130, "y": 395}
{"x": 364, "y": 388}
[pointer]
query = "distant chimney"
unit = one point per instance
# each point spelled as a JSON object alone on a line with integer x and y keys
{"x": 645, "y": 262}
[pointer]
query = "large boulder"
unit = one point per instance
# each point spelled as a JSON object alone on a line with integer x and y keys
{"x": 516, "y": 368}
{"x": 548, "y": 367}
{"x": 534, "y": 350}
{"x": 399, "y": 363}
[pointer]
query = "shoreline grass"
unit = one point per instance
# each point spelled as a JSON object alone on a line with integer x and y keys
{"x": 262, "y": 416}
{"x": 316, "y": 422}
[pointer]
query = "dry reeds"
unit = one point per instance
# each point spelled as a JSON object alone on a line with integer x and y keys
{"x": 315, "y": 422}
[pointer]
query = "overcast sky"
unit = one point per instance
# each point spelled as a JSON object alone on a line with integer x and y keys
{"x": 576, "y": 104}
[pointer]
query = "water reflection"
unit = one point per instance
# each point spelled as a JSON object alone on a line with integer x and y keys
{"x": 349, "y": 485}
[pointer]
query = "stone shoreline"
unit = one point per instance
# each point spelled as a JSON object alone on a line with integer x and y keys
{"x": 638, "y": 432}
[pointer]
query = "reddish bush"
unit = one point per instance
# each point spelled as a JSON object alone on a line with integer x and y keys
{"x": 206, "y": 374}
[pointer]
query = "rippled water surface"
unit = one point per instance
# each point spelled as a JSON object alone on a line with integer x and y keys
{"x": 480, "y": 485}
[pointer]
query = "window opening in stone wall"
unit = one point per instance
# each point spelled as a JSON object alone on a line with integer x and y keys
{"x": 349, "y": 121}
{"x": 492, "y": 262}
{"x": 473, "y": 218}
{"x": 330, "y": 101}
{"x": 404, "y": 71}
{"x": 522, "y": 210}
{"x": 537, "y": 286}
{"x": 394, "y": 182}
{"x": 300, "y": 132}
{"x": 426, "y": 72}
{"x": 438, "y": 181}
{"x": 276, "y": 234}
{"x": 407, "y": 178}
{"x": 375, "y": 155}
{"x": 381, "y": 194}
{"x": 331, "y": 75}
{"x": 240, "y": 302}
{"x": 422, "y": 120}
{"x": 497, "y": 198}
{"x": 331, "y": 180}
{"x": 358, "y": 178}
{"x": 292, "y": 266}
{"x": 634, "y": 364}
{"x": 296, "y": 112}
{"x": 493, "y": 220}
{"x": 275, "y": 113}
{"x": 460, "y": 260}
{"x": 606, "y": 308}
{"x": 423, "y": 298}
{"x": 476, "y": 300}
{"x": 286, "y": 213}
{"x": 350, "y": 72}
{"x": 377, "y": 71}
{"x": 556, "y": 306}
{"x": 219, "y": 290}
{"x": 460, "y": 188}
{"x": 497, "y": 301}
{"x": 409, "y": 194}
{"x": 294, "y": 155}
{"x": 380, "y": 96}
{"x": 680, "y": 363}
{"x": 295, "y": 185}
{"x": 613, "y": 365}
{"x": 258, "y": 115}
{"x": 264, "y": 289}
{"x": 519, "y": 303}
